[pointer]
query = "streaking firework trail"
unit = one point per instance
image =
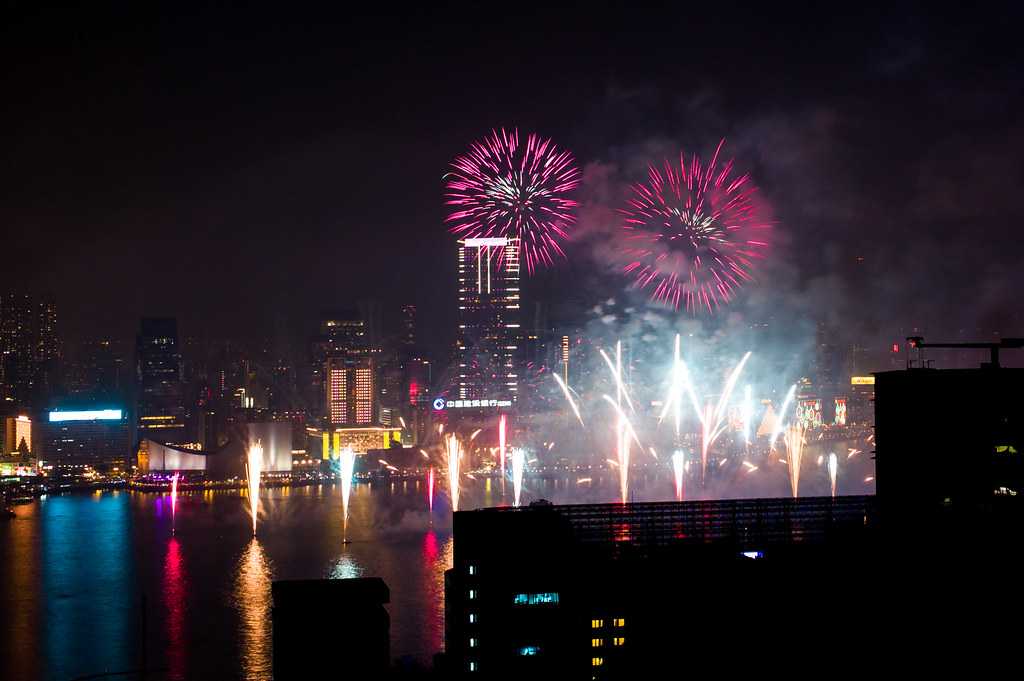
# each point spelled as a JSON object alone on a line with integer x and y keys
{"x": 833, "y": 471}
{"x": 747, "y": 414}
{"x": 518, "y": 464}
{"x": 454, "y": 451}
{"x": 678, "y": 468}
{"x": 430, "y": 489}
{"x": 713, "y": 420}
{"x": 346, "y": 467}
{"x": 780, "y": 423}
{"x": 568, "y": 396}
{"x": 501, "y": 188}
{"x": 616, "y": 369}
{"x": 174, "y": 499}
{"x": 795, "y": 445}
{"x": 693, "y": 233}
{"x": 254, "y": 469}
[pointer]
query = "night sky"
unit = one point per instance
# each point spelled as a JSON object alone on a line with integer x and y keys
{"x": 243, "y": 169}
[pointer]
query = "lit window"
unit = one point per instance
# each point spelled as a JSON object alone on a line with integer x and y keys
{"x": 472, "y": 643}
{"x": 596, "y": 642}
{"x": 549, "y": 597}
{"x": 529, "y": 650}
{"x": 618, "y": 622}
{"x": 618, "y": 641}
{"x": 472, "y": 569}
{"x": 596, "y": 661}
{"x": 472, "y": 618}
{"x": 596, "y": 624}
{"x": 472, "y": 666}
{"x": 472, "y": 594}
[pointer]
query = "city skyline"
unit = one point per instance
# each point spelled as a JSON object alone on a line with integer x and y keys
{"x": 845, "y": 157}
{"x": 469, "y": 341}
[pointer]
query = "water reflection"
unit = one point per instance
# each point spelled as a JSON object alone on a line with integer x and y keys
{"x": 437, "y": 557}
{"x": 90, "y": 606}
{"x": 252, "y": 600}
{"x": 18, "y": 589}
{"x": 174, "y": 594}
{"x": 346, "y": 567}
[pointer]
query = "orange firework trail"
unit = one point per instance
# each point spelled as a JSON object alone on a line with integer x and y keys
{"x": 254, "y": 469}
{"x": 795, "y": 445}
{"x": 454, "y": 450}
{"x": 430, "y": 489}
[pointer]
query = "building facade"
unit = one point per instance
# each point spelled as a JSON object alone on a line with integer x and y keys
{"x": 96, "y": 438}
{"x": 620, "y": 590}
{"x": 30, "y": 349}
{"x": 161, "y": 403}
{"x": 350, "y": 391}
{"x": 489, "y": 320}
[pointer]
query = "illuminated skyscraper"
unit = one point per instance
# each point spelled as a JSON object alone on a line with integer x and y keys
{"x": 29, "y": 348}
{"x": 351, "y": 393}
{"x": 161, "y": 391}
{"x": 17, "y": 347}
{"x": 342, "y": 334}
{"x": 489, "y": 319}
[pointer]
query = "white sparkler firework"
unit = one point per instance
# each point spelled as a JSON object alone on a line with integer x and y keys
{"x": 833, "y": 471}
{"x": 518, "y": 465}
{"x": 346, "y": 468}
{"x": 780, "y": 423}
{"x": 568, "y": 396}
{"x": 678, "y": 468}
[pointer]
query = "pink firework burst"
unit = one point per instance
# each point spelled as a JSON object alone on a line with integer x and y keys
{"x": 693, "y": 233}
{"x": 501, "y": 188}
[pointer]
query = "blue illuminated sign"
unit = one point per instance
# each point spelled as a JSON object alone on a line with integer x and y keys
{"x": 441, "y": 403}
{"x": 93, "y": 415}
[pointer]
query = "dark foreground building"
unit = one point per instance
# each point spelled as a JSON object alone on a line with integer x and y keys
{"x": 612, "y": 590}
{"x": 917, "y": 580}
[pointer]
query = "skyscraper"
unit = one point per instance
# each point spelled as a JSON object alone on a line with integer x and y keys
{"x": 17, "y": 347}
{"x": 161, "y": 391}
{"x": 351, "y": 393}
{"x": 489, "y": 319}
{"x": 29, "y": 348}
{"x": 342, "y": 333}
